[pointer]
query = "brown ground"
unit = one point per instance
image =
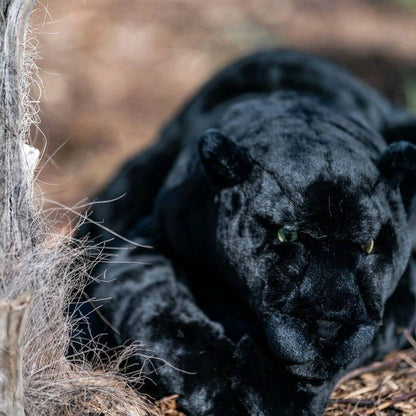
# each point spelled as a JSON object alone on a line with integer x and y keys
{"x": 114, "y": 70}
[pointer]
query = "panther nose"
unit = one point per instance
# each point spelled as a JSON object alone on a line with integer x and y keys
{"x": 332, "y": 296}
{"x": 327, "y": 329}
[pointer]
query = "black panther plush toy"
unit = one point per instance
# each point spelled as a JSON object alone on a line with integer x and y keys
{"x": 278, "y": 206}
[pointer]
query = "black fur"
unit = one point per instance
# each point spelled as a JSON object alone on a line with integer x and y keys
{"x": 279, "y": 140}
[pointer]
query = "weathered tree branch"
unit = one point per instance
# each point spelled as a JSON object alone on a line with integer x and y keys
{"x": 12, "y": 325}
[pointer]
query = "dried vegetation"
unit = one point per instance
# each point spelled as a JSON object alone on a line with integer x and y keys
{"x": 40, "y": 271}
{"x": 384, "y": 388}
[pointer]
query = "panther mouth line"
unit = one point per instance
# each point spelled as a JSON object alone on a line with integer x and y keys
{"x": 327, "y": 329}
{"x": 316, "y": 348}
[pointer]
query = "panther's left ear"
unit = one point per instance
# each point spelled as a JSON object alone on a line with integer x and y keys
{"x": 400, "y": 126}
{"x": 225, "y": 162}
{"x": 398, "y": 165}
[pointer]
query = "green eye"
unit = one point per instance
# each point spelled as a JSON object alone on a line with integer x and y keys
{"x": 369, "y": 247}
{"x": 286, "y": 235}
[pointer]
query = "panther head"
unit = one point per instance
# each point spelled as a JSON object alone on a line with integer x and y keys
{"x": 306, "y": 212}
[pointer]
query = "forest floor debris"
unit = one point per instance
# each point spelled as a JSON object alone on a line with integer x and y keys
{"x": 385, "y": 388}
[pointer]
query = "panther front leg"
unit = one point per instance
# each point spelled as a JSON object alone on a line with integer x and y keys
{"x": 149, "y": 305}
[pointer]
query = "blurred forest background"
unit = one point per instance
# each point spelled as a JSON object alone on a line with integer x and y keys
{"x": 114, "y": 71}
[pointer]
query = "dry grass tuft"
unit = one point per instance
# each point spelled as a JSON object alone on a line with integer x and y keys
{"x": 168, "y": 406}
{"x": 52, "y": 268}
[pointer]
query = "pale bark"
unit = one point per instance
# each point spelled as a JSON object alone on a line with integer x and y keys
{"x": 12, "y": 325}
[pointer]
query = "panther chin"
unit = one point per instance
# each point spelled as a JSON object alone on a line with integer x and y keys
{"x": 317, "y": 350}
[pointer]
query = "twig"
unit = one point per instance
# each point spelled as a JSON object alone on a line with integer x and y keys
{"x": 369, "y": 369}
{"x": 409, "y": 338}
{"x": 391, "y": 403}
{"x": 356, "y": 402}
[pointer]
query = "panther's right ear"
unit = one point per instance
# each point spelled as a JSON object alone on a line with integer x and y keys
{"x": 225, "y": 162}
{"x": 398, "y": 166}
{"x": 400, "y": 127}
